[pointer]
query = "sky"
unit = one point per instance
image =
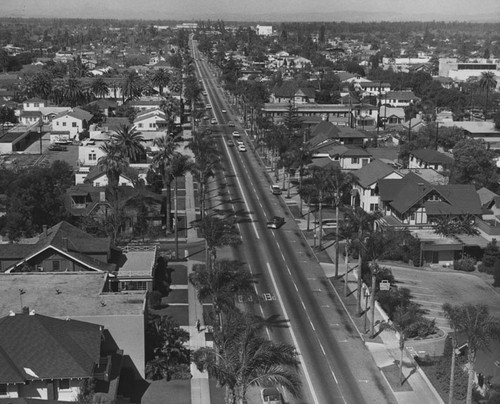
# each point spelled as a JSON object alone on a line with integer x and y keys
{"x": 258, "y": 10}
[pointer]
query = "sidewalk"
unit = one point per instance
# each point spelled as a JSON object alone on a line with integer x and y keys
{"x": 385, "y": 347}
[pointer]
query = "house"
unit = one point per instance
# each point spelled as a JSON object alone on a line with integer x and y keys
{"x": 393, "y": 116}
{"x": 479, "y": 130}
{"x": 86, "y": 200}
{"x": 429, "y": 158}
{"x": 98, "y": 178}
{"x": 414, "y": 204}
{"x": 74, "y": 121}
{"x": 83, "y": 296}
{"x": 365, "y": 191}
{"x": 147, "y": 103}
{"x": 326, "y": 133}
{"x": 365, "y": 115}
{"x": 400, "y": 98}
{"x": 290, "y": 91}
{"x": 34, "y": 104}
{"x": 349, "y": 157}
{"x": 46, "y": 358}
{"x": 151, "y": 120}
{"x": 310, "y": 114}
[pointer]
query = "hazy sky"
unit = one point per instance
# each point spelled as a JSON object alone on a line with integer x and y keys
{"x": 258, "y": 10}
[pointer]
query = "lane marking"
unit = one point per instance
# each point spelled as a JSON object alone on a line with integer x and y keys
{"x": 292, "y": 333}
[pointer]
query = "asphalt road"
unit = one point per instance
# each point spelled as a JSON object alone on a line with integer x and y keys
{"x": 292, "y": 288}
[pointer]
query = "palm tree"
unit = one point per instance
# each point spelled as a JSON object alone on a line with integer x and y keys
{"x": 42, "y": 84}
{"x": 162, "y": 164}
{"x": 479, "y": 328}
{"x": 217, "y": 233}
{"x": 171, "y": 107}
{"x": 130, "y": 141}
{"x": 160, "y": 79}
{"x": 113, "y": 163}
{"x": 221, "y": 284}
{"x": 486, "y": 83}
{"x": 452, "y": 314}
{"x": 206, "y": 161}
{"x": 181, "y": 164}
{"x": 248, "y": 359}
{"x": 131, "y": 86}
{"x": 99, "y": 87}
{"x": 357, "y": 225}
{"x": 73, "y": 92}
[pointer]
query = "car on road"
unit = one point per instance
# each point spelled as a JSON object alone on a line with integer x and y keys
{"x": 223, "y": 111}
{"x": 230, "y": 143}
{"x": 213, "y": 121}
{"x": 275, "y": 189}
{"x": 236, "y": 134}
{"x": 230, "y": 124}
{"x": 205, "y": 93}
{"x": 208, "y": 106}
{"x": 271, "y": 395}
{"x": 242, "y": 148}
{"x": 276, "y": 222}
{"x": 57, "y": 147}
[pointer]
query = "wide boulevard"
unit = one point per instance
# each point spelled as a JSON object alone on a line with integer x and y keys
{"x": 292, "y": 289}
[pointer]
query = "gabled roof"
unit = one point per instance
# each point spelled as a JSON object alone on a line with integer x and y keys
{"x": 373, "y": 172}
{"x": 77, "y": 113}
{"x": 401, "y": 95}
{"x": 432, "y": 156}
{"x": 289, "y": 88}
{"x": 40, "y": 347}
{"x": 485, "y": 195}
{"x": 96, "y": 172}
{"x": 348, "y": 151}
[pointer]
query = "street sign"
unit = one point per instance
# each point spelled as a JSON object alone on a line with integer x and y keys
{"x": 385, "y": 285}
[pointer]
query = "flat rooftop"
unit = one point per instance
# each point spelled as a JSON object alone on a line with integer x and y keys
{"x": 72, "y": 294}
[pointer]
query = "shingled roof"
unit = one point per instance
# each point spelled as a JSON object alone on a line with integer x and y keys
{"x": 34, "y": 347}
{"x": 373, "y": 172}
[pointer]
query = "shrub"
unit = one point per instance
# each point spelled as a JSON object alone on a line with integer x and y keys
{"x": 154, "y": 299}
{"x": 466, "y": 264}
{"x": 421, "y": 328}
{"x": 496, "y": 273}
{"x": 392, "y": 299}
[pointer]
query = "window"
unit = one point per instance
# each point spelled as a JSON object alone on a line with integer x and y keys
{"x": 373, "y": 207}
{"x": 355, "y": 160}
{"x": 73, "y": 124}
{"x": 64, "y": 124}
{"x": 139, "y": 125}
{"x": 152, "y": 125}
{"x": 372, "y": 192}
{"x": 64, "y": 384}
{"x": 57, "y": 123}
{"x": 92, "y": 157}
{"x": 3, "y": 389}
{"x": 56, "y": 266}
{"x": 36, "y": 104}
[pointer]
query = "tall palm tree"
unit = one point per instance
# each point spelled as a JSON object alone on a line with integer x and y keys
{"x": 248, "y": 359}
{"x": 452, "y": 314}
{"x": 73, "y": 92}
{"x": 221, "y": 284}
{"x": 162, "y": 164}
{"x": 479, "y": 329}
{"x": 130, "y": 141}
{"x": 181, "y": 164}
{"x": 42, "y": 84}
{"x": 131, "y": 86}
{"x": 217, "y": 233}
{"x": 171, "y": 107}
{"x": 99, "y": 87}
{"x": 113, "y": 162}
{"x": 357, "y": 226}
{"x": 160, "y": 79}
{"x": 486, "y": 83}
{"x": 206, "y": 161}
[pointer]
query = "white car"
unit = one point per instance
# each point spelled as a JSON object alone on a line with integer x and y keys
{"x": 236, "y": 134}
{"x": 223, "y": 111}
{"x": 242, "y": 148}
{"x": 271, "y": 395}
{"x": 275, "y": 189}
{"x": 214, "y": 121}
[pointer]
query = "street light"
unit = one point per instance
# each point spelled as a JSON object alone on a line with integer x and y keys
{"x": 315, "y": 237}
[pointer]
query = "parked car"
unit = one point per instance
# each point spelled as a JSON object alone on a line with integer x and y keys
{"x": 236, "y": 134}
{"x": 223, "y": 111}
{"x": 230, "y": 124}
{"x": 271, "y": 395}
{"x": 230, "y": 143}
{"x": 242, "y": 148}
{"x": 57, "y": 147}
{"x": 275, "y": 189}
{"x": 213, "y": 121}
{"x": 276, "y": 222}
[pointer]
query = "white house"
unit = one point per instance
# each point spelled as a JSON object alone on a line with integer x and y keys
{"x": 151, "y": 120}
{"x": 74, "y": 121}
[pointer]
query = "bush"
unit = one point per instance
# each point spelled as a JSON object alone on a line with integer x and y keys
{"x": 154, "y": 299}
{"x": 466, "y": 264}
{"x": 422, "y": 328}
{"x": 496, "y": 273}
{"x": 392, "y": 299}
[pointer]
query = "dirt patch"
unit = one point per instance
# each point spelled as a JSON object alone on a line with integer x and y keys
{"x": 392, "y": 375}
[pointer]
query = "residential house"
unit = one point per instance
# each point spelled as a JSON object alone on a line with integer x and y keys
{"x": 479, "y": 130}
{"x": 151, "y": 120}
{"x": 46, "y": 358}
{"x": 429, "y": 158}
{"x": 365, "y": 116}
{"x": 326, "y": 133}
{"x": 86, "y": 200}
{"x": 414, "y": 204}
{"x": 365, "y": 191}
{"x": 34, "y": 104}
{"x": 310, "y": 114}
{"x": 392, "y": 117}
{"x": 74, "y": 121}
{"x": 349, "y": 157}
{"x": 147, "y": 103}
{"x": 290, "y": 91}
{"x": 400, "y": 98}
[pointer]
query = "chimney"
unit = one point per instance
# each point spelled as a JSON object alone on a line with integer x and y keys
{"x": 102, "y": 196}
{"x": 26, "y": 310}
{"x": 45, "y": 230}
{"x": 421, "y": 187}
